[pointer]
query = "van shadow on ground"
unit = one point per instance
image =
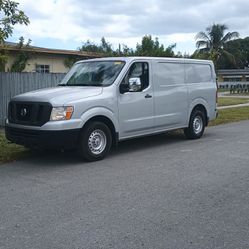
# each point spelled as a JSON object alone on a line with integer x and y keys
{"x": 59, "y": 158}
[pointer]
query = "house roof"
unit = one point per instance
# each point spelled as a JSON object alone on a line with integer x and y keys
{"x": 11, "y": 46}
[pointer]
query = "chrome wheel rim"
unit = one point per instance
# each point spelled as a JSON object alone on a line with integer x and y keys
{"x": 97, "y": 142}
{"x": 197, "y": 124}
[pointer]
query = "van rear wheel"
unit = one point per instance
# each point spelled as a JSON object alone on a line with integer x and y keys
{"x": 95, "y": 141}
{"x": 196, "y": 126}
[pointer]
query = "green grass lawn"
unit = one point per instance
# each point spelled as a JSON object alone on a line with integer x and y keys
{"x": 225, "y": 101}
{"x": 231, "y": 115}
{"x": 221, "y": 90}
{"x": 10, "y": 152}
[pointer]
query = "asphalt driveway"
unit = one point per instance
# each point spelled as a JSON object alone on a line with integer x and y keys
{"x": 155, "y": 192}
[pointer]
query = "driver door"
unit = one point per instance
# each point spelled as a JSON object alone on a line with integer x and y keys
{"x": 136, "y": 115}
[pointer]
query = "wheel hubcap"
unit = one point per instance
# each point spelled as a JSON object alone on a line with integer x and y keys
{"x": 97, "y": 142}
{"x": 197, "y": 124}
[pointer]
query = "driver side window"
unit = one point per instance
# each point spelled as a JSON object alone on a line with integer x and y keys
{"x": 138, "y": 70}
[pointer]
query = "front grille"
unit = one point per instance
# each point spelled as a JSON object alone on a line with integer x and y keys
{"x": 29, "y": 113}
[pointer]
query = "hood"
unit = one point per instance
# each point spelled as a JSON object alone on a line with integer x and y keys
{"x": 60, "y": 95}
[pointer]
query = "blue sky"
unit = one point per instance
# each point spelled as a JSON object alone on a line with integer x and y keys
{"x": 66, "y": 24}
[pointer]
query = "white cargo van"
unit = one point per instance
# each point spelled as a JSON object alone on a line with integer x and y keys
{"x": 103, "y": 101}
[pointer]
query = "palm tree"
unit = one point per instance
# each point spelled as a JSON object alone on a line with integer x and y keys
{"x": 212, "y": 42}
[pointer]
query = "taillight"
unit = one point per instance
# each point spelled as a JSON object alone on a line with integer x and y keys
{"x": 216, "y": 91}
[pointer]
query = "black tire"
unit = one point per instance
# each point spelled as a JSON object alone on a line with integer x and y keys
{"x": 197, "y": 125}
{"x": 95, "y": 141}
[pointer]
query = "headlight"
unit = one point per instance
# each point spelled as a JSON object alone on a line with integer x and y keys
{"x": 61, "y": 113}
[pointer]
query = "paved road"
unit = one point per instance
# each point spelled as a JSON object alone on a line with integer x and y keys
{"x": 158, "y": 192}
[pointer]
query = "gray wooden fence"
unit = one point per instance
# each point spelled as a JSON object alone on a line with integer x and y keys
{"x": 12, "y": 84}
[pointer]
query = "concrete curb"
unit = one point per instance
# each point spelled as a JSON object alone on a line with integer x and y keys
{"x": 232, "y": 106}
{"x": 228, "y": 95}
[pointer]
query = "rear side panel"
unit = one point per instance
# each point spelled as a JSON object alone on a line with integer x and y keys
{"x": 201, "y": 81}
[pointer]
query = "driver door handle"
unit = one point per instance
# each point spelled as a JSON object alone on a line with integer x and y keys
{"x": 147, "y": 96}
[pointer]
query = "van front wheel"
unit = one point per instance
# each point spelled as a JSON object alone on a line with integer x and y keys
{"x": 196, "y": 125}
{"x": 95, "y": 141}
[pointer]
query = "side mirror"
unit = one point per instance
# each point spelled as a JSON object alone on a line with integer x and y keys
{"x": 135, "y": 85}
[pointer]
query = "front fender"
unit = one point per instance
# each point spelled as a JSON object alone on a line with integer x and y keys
{"x": 99, "y": 111}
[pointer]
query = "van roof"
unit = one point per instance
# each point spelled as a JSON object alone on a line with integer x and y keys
{"x": 130, "y": 59}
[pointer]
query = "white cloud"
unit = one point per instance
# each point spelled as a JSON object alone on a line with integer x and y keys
{"x": 181, "y": 37}
{"x": 52, "y": 19}
{"x": 126, "y": 21}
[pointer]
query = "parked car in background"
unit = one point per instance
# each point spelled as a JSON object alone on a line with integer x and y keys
{"x": 101, "y": 102}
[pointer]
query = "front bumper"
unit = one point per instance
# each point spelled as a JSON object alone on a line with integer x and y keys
{"x": 52, "y": 139}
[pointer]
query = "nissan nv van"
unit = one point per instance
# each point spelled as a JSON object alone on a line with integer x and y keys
{"x": 101, "y": 102}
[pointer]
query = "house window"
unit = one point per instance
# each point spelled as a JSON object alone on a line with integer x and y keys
{"x": 42, "y": 68}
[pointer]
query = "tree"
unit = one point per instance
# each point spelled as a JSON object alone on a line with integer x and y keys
{"x": 3, "y": 60}
{"x": 22, "y": 57}
{"x": 125, "y": 51}
{"x": 150, "y": 47}
{"x": 240, "y": 49}
{"x": 11, "y": 16}
{"x": 104, "y": 47}
{"x": 70, "y": 60}
{"x": 89, "y": 46}
{"x": 211, "y": 44}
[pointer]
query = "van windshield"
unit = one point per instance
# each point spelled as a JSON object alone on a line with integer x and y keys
{"x": 93, "y": 73}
